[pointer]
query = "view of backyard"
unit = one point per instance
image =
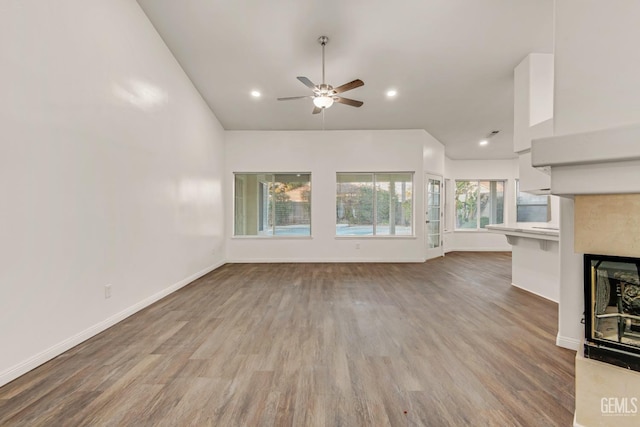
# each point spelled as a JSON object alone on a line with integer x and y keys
{"x": 479, "y": 203}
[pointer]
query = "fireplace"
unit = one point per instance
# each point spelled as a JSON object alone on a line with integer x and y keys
{"x": 612, "y": 310}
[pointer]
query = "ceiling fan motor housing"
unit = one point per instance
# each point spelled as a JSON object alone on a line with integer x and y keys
{"x": 324, "y": 89}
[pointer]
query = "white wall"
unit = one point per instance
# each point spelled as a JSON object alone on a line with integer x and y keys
{"x": 110, "y": 173}
{"x": 433, "y": 158}
{"x": 536, "y": 270}
{"x": 596, "y": 87}
{"x": 323, "y": 153}
{"x": 597, "y": 63}
{"x": 480, "y": 169}
{"x": 533, "y": 98}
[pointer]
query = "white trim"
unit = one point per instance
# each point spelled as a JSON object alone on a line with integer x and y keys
{"x": 266, "y": 237}
{"x": 567, "y": 342}
{"x": 535, "y": 293}
{"x": 481, "y": 249}
{"x": 376, "y": 237}
{"x": 322, "y": 260}
{"x": 470, "y": 230}
{"x": 575, "y": 423}
{"x": 587, "y": 147}
{"x": 33, "y": 362}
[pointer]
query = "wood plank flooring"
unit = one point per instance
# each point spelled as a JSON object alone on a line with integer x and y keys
{"x": 444, "y": 343}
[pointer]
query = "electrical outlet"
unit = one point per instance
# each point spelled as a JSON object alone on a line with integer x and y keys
{"x": 107, "y": 291}
{"x": 357, "y": 245}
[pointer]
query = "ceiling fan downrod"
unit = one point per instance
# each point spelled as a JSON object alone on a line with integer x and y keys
{"x": 323, "y": 40}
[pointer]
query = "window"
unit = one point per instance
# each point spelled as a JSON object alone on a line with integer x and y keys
{"x": 374, "y": 204}
{"x": 272, "y": 204}
{"x": 478, "y": 204}
{"x": 531, "y": 208}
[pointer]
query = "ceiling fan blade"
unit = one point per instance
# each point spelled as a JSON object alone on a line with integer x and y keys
{"x": 316, "y": 110}
{"x": 347, "y": 101}
{"x": 289, "y": 98}
{"x": 348, "y": 86}
{"x": 308, "y": 83}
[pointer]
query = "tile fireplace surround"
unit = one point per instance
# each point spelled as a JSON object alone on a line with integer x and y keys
{"x": 607, "y": 224}
{"x": 601, "y": 171}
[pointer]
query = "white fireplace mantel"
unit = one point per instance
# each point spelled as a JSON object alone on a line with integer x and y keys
{"x": 600, "y": 162}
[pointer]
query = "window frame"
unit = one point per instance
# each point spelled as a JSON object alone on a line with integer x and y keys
{"x": 265, "y": 210}
{"x": 478, "y": 228}
{"x": 374, "y": 213}
{"x": 547, "y": 204}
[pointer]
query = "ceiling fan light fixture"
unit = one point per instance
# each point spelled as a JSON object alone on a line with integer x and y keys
{"x": 323, "y": 101}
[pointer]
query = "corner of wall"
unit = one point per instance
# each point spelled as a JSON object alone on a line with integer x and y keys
{"x": 44, "y": 356}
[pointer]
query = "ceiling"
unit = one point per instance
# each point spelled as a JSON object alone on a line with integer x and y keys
{"x": 451, "y": 62}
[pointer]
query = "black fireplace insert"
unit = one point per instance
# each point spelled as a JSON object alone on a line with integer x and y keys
{"x": 612, "y": 310}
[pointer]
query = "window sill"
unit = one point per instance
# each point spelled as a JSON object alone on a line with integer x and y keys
{"x": 271, "y": 237}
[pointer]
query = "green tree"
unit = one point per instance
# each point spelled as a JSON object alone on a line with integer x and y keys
{"x": 279, "y": 196}
{"x": 466, "y": 203}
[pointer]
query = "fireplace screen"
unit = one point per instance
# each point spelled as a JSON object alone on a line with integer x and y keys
{"x": 612, "y": 310}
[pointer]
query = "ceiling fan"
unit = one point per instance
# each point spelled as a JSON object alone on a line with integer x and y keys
{"x": 324, "y": 95}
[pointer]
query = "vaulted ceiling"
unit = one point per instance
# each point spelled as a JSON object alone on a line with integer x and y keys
{"x": 451, "y": 62}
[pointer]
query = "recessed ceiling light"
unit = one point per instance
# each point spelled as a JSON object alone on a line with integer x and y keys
{"x": 255, "y": 94}
{"x": 391, "y": 93}
{"x": 484, "y": 142}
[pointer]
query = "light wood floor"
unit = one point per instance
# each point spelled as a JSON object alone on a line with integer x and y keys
{"x": 444, "y": 343}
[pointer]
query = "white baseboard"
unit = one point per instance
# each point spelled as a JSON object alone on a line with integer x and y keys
{"x": 481, "y": 249}
{"x": 57, "y": 349}
{"x": 316, "y": 260}
{"x": 535, "y": 293}
{"x": 566, "y": 342}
